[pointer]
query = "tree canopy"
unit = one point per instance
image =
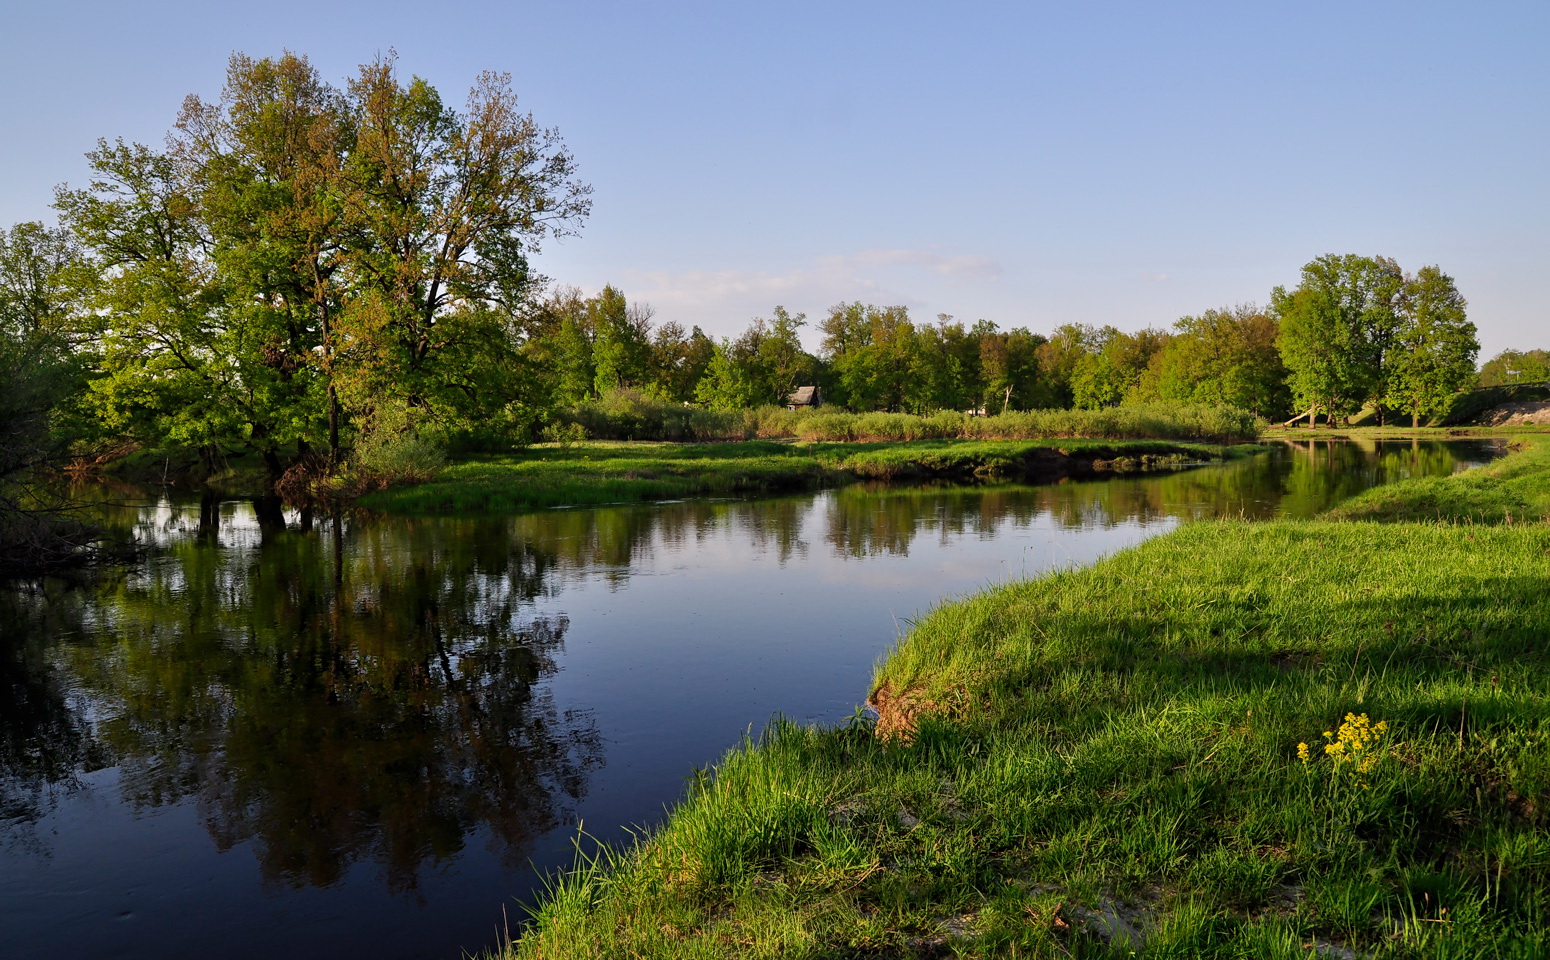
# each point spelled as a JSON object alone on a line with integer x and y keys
{"x": 1359, "y": 330}
{"x": 302, "y": 255}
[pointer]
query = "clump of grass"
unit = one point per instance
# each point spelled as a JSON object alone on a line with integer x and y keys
{"x": 1210, "y": 424}
{"x": 1124, "y": 740}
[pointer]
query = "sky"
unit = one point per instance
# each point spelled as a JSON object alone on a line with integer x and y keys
{"x": 1030, "y": 163}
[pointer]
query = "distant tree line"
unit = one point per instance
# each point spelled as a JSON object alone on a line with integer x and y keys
{"x": 1516, "y": 366}
{"x": 1357, "y": 332}
{"x": 311, "y": 273}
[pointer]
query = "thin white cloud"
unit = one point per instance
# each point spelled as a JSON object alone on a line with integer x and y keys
{"x": 722, "y": 301}
{"x": 955, "y": 267}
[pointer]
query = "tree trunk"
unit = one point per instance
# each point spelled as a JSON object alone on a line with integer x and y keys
{"x": 209, "y": 516}
{"x": 333, "y": 426}
{"x": 272, "y": 466}
{"x": 1308, "y": 414}
{"x": 270, "y": 513}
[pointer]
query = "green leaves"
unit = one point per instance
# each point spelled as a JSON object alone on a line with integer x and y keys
{"x": 1437, "y": 345}
{"x": 301, "y": 256}
{"x": 1359, "y": 330}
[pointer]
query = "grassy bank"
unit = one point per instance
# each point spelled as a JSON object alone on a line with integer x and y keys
{"x": 1513, "y": 490}
{"x": 1321, "y": 432}
{"x": 593, "y": 473}
{"x": 1106, "y": 763}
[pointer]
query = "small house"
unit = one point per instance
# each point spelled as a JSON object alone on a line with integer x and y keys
{"x": 804, "y": 397}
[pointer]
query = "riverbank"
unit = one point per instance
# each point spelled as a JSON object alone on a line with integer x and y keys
{"x": 1239, "y": 739}
{"x": 550, "y": 475}
{"x": 1516, "y": 432}
{"x": 1513, "y": 490}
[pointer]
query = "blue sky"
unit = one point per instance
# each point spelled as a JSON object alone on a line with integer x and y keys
{"x": 1030, "y": 164}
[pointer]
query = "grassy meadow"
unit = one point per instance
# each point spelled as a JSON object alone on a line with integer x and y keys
{"x": 1275, "y": 739}
{"x": 549, "y": 475}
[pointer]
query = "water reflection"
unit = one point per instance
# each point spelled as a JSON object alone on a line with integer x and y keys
{"x": 1298, "y": 480}
{"x": 46, "y": 742}
{"x": 329, "y": 708}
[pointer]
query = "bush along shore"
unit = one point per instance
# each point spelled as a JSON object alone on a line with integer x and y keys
{"x": 1277, "y": 739}
{"x": 573, "y": 474}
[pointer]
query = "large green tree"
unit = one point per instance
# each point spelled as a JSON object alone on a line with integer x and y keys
{"x": 1338, "y": 331}
{"x": 1059, "y": 355}
{"x": 45, "y": 289}
{"x": 679, "y": 360}
{"x": 182, "y": 362}
{"x": 874, "y": 355}
{"x": 621, "y": 348}
{"x": 449, "y": 206}
{"x": 45, "y": 284}
{"x": 726, "y": 384}
{"x": 301, "y": 255}
{"x": 1109, "y": 375}
{"x": 1437, "y": 345}
{"x": 1012, "y": 369}
{"x": 1516, "y": 366}
{"x": 949, "y": 375}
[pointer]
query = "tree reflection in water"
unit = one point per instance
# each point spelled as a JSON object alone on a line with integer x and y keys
{"x": 45, "y": 744}
{"x": 1301, "y": 480}
{"x": 329, "y": 701}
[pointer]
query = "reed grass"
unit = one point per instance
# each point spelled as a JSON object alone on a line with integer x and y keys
{"x": 628, "y": 415}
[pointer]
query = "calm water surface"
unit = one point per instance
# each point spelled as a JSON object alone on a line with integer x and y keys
{"x": 372, "y": 737}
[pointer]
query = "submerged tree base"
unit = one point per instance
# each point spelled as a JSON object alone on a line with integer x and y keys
{"x": 1239, "y": 739}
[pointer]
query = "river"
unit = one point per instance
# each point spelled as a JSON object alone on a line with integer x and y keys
{"x": 374, "y": 736}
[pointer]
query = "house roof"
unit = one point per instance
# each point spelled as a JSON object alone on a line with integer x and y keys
{"x": 803, "y": 395}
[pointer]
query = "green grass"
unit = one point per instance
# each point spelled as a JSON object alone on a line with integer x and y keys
{"x": 1125, "y": 738}
{"x": 594, "y": 473}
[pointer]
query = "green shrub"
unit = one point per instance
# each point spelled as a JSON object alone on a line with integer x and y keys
{"x": 398, "y": 457}
{"x": 629, "y": 414}
{"x": 564, "y": 434}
